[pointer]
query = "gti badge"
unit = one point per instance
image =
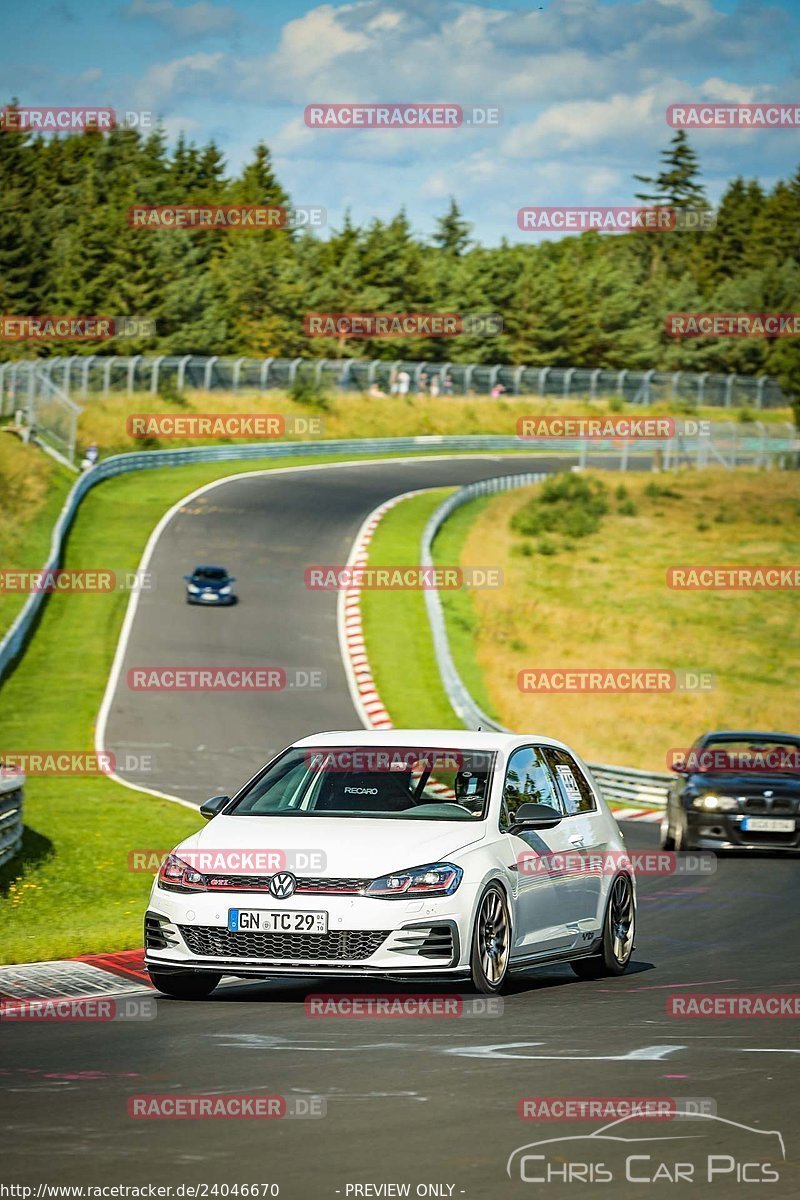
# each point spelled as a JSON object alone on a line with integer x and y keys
{"x": 282, "y": 885}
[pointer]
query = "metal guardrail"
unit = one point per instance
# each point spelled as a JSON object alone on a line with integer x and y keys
{"x": 619, "y": 785}
{"x": 11, "y": 788}
{"x": 758, "y": 450}
{"x": 119, "y": 464}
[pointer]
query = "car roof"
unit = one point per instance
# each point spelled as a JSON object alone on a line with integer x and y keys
{"x": 210, "y": 567}
{"x": 748, "y": 735}
{"x": 443, "y": 739}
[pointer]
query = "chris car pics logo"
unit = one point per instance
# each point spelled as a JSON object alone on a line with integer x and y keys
{"x": 696, "y": 1148}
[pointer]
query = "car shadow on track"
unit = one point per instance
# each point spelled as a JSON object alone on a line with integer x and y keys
{"x": 297, "y": 991}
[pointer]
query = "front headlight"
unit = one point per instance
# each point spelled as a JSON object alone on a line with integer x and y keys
{"x": 192, "y": 587}
{"x": 177, "y": 876}
{"x": 225, "y": 591}
{"x": 435, "y": 879}
{"x": 711, "y": 803}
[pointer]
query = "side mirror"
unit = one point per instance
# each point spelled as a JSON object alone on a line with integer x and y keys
{"x": 187, "y": 578}
{"x": 536, "y": 816}
{"x": 213, "y": 806}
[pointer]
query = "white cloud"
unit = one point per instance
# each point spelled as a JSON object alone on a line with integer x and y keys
{"x": 193, "y": 20}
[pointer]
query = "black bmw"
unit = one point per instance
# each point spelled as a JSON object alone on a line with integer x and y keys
{"x": 735, "y": 791}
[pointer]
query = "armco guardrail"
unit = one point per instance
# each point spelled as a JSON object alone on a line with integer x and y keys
{"x": 619, "y": 785}
{"x": 120, "y": 464}
{"x": 11, "y": 787}
{"x": 760, "y": 449}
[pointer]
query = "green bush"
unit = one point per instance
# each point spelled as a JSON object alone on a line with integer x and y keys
{"x": 570, "y": 504}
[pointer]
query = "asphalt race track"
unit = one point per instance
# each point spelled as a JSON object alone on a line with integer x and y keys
{"x": 266, "y": 530}
{"x": 419, "y": 1102}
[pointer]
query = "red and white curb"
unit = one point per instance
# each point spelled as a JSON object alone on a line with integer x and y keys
{"x": 363, "y": 690}
{"x": 92, "y": 976}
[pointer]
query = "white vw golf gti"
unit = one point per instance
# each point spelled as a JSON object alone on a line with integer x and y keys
{"x": 402, "y": 854}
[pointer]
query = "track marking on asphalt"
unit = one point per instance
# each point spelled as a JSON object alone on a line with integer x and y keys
{"x": 501, "y": 1049}
{"x": 496, "y": 1050}
{"x": 657, "y": 987}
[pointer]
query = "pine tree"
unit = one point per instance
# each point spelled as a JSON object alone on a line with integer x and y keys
{"x": 452, "y": 231}
{"x": 677, "y": 183}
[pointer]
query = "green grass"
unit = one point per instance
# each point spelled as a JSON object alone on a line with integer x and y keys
{"x": 33, "y": 488}
{"x": 459, "y": 606}
{"x": 396, "y": 628}
{"x": 70, "y": 892}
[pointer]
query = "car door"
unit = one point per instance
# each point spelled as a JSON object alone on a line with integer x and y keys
{"x": 540, "y": 924}
{"x": 584, "y": 831}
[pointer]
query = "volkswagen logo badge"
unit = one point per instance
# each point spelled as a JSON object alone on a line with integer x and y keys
{"x": 282, "y": 885}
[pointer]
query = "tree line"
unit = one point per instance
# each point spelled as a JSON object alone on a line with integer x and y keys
{"x": 593, "y": 299}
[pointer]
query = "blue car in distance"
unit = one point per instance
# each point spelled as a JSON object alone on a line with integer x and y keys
{"x": 210, "y": 585}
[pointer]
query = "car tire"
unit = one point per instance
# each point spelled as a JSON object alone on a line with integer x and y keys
{"x": 185, "y": 985}
{"x": 683, "y": 841}
{"x": 491, "y": 942}
{"x": 667, "y": 837}
{"x": 619, "y": 929}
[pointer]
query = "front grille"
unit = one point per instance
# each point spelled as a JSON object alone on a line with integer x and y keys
{"x": 350, "y": 945}
{"x": 308, "y": 884}
{"x": 766, "y": 807}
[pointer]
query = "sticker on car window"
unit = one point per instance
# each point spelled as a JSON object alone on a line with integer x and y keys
{"x": 570, "y": 787}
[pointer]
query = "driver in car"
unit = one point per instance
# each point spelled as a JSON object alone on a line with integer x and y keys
{"x": 470, "y": 790}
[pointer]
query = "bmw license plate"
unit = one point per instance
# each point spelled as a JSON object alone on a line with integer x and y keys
{"x": 260, "y": 920}
{"x": 768, "y": 825}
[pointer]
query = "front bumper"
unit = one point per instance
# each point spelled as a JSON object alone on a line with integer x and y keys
{"x": 724, "y": 831}
{"x": 209, "y": 599}
{"x": 366, "y": 937}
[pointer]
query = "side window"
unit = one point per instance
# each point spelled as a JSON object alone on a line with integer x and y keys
{"x": 528, "y": 781}
{"x": 576, "y": 793}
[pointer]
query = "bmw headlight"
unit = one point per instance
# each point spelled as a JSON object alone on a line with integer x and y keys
{"x": 225, "y": 591}
{"x": 192, "y": 587}
{"x": 435, "y": 879}
{"x": 712, "y": 803}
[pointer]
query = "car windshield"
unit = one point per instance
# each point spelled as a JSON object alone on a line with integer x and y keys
{"x": 392, "y": 782}
{"x": 780, "y": 755}
{"x": 212, "y": 574}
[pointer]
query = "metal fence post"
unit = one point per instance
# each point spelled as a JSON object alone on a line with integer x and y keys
{"x": 543, "y": 373}
{"x": 132, "y": 364}
{"x": 701, "y": 388}
{"x": 207, "y": 372}
{"x": 264, "y": 375}
{"x": 181, "y": 375}
{"x": 237, "y": 371}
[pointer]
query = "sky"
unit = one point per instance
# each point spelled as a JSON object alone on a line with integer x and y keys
{"x": 582, "y": 87}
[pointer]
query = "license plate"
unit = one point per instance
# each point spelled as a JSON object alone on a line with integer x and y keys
{"x": 260, "y": 920}
{"x": 767, "y": 825}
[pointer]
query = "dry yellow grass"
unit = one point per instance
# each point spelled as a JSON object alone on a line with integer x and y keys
{"x": 605, "y": 603}
{"x": 352, "y": 415}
